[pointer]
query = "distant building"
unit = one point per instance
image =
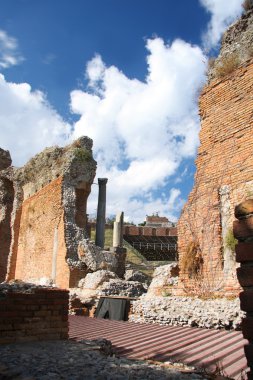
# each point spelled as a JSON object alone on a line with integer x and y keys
{"x": 158, "y": 221}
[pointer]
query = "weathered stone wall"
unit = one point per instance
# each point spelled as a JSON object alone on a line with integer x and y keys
{"x": 223, "y": 178}
{"x": 6, "y": 203}
{"x": 29, "y": 313}
{"x": 236, "y": 46}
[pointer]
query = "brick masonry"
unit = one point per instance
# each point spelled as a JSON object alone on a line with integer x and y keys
{"x": 243, "y": 231}
{"x": 33, "y": 314}
{"x": 149, "y": 231}
{"x": 43, "y": 214}
{"x": 223, "y": 177}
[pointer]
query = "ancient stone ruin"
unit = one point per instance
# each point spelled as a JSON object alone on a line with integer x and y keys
{"x": 43, "y": 219}
{"x": 224, "y": 172}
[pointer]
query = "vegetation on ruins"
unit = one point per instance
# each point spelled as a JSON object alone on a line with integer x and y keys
{"x": 81, "y": 154}
{"x": 192, "y": 261}
{"x": 230, "y": 240}
{"x": 227, "y": 65}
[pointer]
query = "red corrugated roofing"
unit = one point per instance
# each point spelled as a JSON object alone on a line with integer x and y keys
{"x": 194, "y": 346}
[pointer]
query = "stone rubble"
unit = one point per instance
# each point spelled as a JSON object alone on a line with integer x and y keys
{"x": 117, "y": 287}
{"x": 87, "y": 292}
{"x": 19, "y": 286}
{"x": 65, "y": 360}
{"x": 218, "y": 313}
{"x": 132, "y": 275}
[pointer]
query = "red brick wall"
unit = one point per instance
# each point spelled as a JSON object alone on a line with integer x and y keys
{"x": 149, "y": 231}
{"x": 224, "y": 158}
{"x": 39, "y": 315}
{"x": 41, "y": 215}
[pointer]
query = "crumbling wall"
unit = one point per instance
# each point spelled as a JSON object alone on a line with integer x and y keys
{"x": 49, "y": 214}
{"x": 6, "y": 204}
{"x": 223, "y": 179}
{"x": 43, "y": 218}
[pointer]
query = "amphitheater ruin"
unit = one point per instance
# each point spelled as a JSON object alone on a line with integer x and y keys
{"x": 46, "y": 253}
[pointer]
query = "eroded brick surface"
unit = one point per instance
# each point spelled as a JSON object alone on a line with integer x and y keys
{"x": 43, "y": 214}
{"x": 223, "y": 179}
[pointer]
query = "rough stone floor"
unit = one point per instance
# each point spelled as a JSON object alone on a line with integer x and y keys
{"x": 70, "y": 360}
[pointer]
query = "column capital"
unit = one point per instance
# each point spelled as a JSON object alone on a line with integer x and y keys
{"x": 102, "y": 181}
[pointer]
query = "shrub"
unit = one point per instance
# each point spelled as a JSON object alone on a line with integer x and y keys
{"x": 227, "y": 65}
{"x": 82, "y": 154}
{"x": 192, "y": 261}
{"x": 230, "y": 240}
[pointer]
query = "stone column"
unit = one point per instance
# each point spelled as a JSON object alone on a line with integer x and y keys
{"x": 100, "y": 226}
{"x": 118, "y": 230}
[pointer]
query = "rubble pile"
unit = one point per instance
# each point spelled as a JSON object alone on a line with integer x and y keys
{"x": 219, "y": 313}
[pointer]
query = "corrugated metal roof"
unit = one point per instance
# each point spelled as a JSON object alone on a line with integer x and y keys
{"x": 193, "y": 346}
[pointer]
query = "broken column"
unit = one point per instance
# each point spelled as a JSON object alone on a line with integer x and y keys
{"x": 118, "y": 230}
{"x": 100, "y": 226}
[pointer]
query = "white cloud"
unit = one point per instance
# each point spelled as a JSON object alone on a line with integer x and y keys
{"x": 9, "y": 54}
{"x": 223, "y": 13}
{"x": 27, "y": 121}
{"x": 142, "y": 130}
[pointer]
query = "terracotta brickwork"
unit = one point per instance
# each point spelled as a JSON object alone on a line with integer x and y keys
{"x": 243, "y": 231}
{"x": 37, "y": 314}
{"x": 43, "y": 214}
{"x": 149, "y": 231}
{"x": 41, "y": 219}
{"x": 224, "y": 177}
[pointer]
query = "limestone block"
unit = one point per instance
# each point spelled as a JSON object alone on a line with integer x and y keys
{"x": 96, "y": 279}
{"x": 163, "y": 278}
{"x": 132, "y": 275}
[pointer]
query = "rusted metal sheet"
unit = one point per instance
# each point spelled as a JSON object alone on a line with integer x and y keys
{"x": 194, "y": 346}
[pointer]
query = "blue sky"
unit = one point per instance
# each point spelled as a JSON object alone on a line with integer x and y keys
{"x": 124, "y": 72}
